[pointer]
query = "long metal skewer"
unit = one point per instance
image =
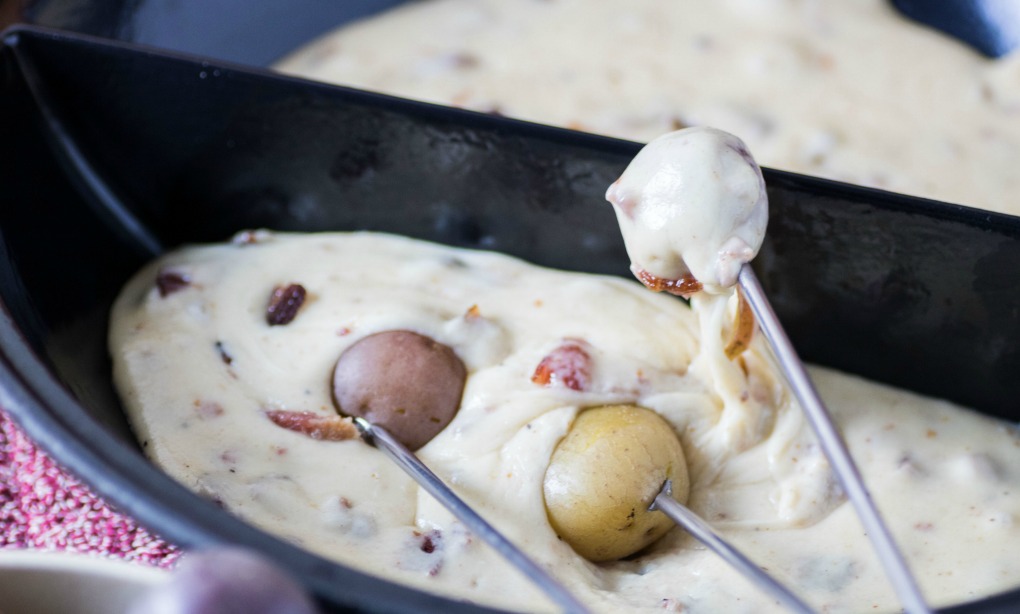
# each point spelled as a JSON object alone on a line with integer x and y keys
{"x": 832, "y": 444}
{"x": 683, "y": 516}
{"x": 382, "y": 439}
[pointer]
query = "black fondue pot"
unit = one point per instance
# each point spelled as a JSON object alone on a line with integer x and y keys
{"x": 110, "y": 154}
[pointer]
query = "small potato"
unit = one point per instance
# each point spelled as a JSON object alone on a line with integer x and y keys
{"x": 603, "y": 476}
{"x": 407, "y": 383}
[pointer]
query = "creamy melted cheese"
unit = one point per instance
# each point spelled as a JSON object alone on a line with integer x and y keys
{"x": 692, "y": 202}
{"x": 198, "y": 367}
{"x": 845, "y": 89}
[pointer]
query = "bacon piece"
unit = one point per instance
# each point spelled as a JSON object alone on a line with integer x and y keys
{"x": 685, "y": 286}
{"x": 251, "y": 237}
{"x": 743, "y": 328}
{"x": 284, "y": 303}
{"x": 429, "y": 540}
{"x": 207, "y": 410}
{"x": 621, "y": 201}
{"x": 169, "y": 281}
{"x": 569, "y": 365}
{"x": 316, "y": 426}
{"x": 224, "y": 354}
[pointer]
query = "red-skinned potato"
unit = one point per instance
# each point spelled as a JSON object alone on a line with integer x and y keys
{"x": 405, "y": 382}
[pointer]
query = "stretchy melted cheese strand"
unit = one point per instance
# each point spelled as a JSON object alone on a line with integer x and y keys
{"x": 692, "y": 208}
{"x": 833, "y": 445}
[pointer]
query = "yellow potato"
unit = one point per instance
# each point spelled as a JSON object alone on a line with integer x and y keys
{"x": 603, "y": 476}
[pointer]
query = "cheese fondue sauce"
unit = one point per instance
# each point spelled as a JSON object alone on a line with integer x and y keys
{"x": 845, "y": 89}
{"x": 205, "y": 373}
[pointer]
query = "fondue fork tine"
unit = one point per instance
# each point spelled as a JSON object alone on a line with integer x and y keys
{"x": 832, "y": 444}
{"x": 412, "y": 465}
{"x": 703, "y": 532}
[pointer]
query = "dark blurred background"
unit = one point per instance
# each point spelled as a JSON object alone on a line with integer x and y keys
{"x": 10, "y": 11}
{"x": 231, "y": 30}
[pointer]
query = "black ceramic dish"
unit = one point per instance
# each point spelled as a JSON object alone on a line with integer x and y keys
{"x": 117, "y": 154}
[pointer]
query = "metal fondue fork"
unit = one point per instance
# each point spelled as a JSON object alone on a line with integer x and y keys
{"x": 832, "y": 444}
{"x": 700, "y": 530}
{"x": 383, "y": 440}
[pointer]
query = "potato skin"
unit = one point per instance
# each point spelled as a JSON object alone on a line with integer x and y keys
{"x": 605, "y": 473}
{"x": 405, "y": 382}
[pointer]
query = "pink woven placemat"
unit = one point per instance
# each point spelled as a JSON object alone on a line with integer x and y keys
{"x": 43, "y": 507}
